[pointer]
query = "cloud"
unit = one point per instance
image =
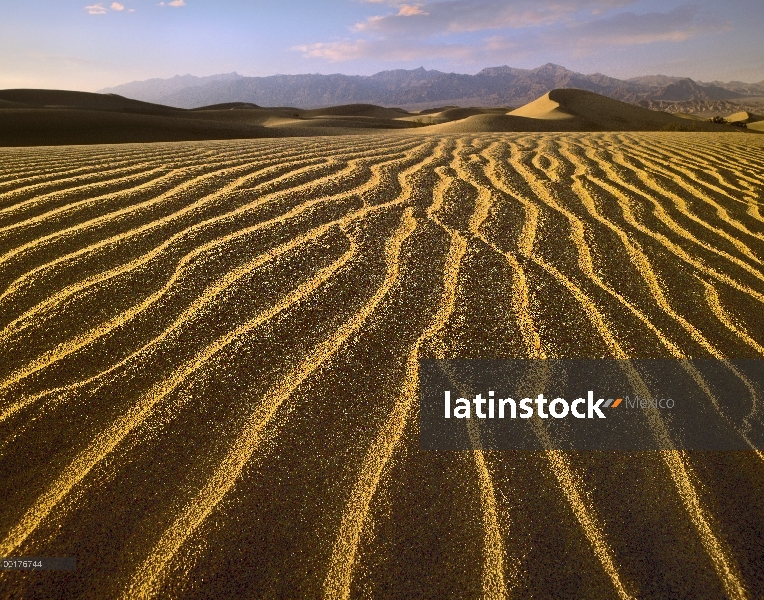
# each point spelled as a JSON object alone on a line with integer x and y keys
{"x": 177, "y": 3}
{"x": 409, "y": 10}
{"x": 483, "y": 31}
{"x": 629, "y": 29}
{"x": 455, "y": 16}
{"x": 100, "y": 9}
{"x": 396, "y": 50}
{"x": 58, "y": 59}
{"x": 95, "y": 9}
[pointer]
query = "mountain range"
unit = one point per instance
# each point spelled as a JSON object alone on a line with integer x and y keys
{"x": 420, "y": 88}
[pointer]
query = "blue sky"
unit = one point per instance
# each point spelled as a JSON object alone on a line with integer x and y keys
{"x": 88, "y": 45}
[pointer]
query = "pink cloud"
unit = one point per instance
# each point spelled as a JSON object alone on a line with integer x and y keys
{"x": 409, "y": 10}
{"x": 95, "y": 9}
{"x": 468, "y": 15}
{"x": 100, "y": 9}
{"x": 630, "y": 29}
{"x": 388, "y": 49}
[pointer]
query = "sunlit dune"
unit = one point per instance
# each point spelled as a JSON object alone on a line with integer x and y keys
{"x": 744, "y": 117}
{"x": 544, "y": 108}
{"x": 572, "y": 110}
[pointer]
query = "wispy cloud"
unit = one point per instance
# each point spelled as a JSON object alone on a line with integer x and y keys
{"x": 455, "y": 16}
{"x": 410, "y": 10}
{"x": 391, "y": 49}
{"x": 100, "y": 9}
{"x": 629, "y": 29}
{"x": 174, "y": 3}
{"x": 96, "y": 9}
{"x": 490, "y": 29}
{"x": 58, "y": 59}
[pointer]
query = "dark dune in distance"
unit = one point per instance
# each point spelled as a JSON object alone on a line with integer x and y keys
{"x": 228, "y": 106}
{"x": 32, "y": 98}
{"x": 53, "y": 127}
{"x": 57, "y": 117}
{"x": 357, "y": 110}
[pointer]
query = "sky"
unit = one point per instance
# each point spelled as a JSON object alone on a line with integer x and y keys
{"x": 88, "y": 45}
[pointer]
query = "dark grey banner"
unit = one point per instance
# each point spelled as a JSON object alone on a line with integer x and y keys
{"x": 642, "y": 404}
{"x": 40, "y": 563}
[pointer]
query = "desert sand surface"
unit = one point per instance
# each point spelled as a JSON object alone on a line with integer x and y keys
{"x": 208, "y": 362}
{"x": 54, "y": 117}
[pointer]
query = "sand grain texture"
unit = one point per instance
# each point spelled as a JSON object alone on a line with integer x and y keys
{"x": 208, "y": 360}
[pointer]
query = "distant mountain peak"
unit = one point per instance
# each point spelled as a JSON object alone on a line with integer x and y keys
{"x": 551, "y": 67}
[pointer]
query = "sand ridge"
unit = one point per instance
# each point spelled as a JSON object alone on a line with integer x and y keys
{"x": 209, "y": 359}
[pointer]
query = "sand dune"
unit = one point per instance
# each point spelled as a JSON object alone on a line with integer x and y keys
{"x": 56, "y": 117}
{"x": 574, "y": 110}
{"x": 283, "y": 120}
{"x": 582, "y": 110}
{"x": 503, "y": 123}
{"x": 744, "y": 117}
{"x": 449, "y": 115}
{"x": 356, "y": 110}
{"x": 430, "y": 111}
{"x": 228, "y": 106}
{"x": 208, "y": 362}
{"x": 9, "y": 104}
{"x": 81, "y": 100}
{"x": 52, "y": 117}
{"x": 57, "y": 126}
{"x": 547, "y": 108}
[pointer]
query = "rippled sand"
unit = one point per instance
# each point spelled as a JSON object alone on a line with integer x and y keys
{"x": 209, "y": 350}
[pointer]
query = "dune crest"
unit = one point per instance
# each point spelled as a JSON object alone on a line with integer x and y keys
{"x": 543, "y": 108}
{"x": 744, "y": 117}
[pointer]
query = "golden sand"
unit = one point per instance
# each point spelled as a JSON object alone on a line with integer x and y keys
{"x": 169, "y": 314}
